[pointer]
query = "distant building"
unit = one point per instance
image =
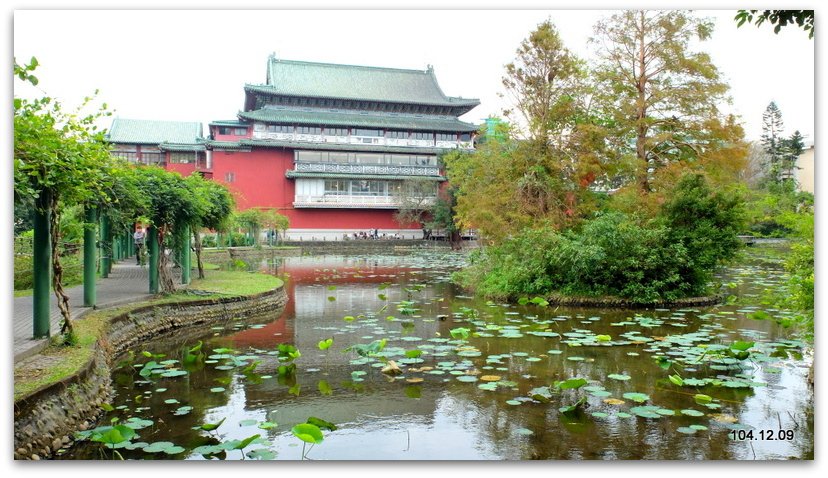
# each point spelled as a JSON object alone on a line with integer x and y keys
{"x": 175, "y": 145}
{"x": 327, "y": 145}
{"x": 805, "y": 169}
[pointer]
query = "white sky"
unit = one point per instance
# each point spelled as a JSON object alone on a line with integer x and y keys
{"x": 192, "y": 65}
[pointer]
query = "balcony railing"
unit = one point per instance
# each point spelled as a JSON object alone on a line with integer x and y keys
{"x": 364, "y": 140}
{"x": 357, "y": 202}
{"x": 352, "y": 168}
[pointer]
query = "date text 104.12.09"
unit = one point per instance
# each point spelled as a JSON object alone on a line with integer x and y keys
{"x": 768, "y": 434}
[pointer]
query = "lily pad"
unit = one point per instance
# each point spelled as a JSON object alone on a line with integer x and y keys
{"x": 636, "y": 397}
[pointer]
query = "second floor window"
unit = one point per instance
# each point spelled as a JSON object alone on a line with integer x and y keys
{"x": 279, "y": 128}
{"x": 336, "y": 131}
{"x": 422, "y": 135}
{"x": 367, "y": 132}
{"x": 309, "y": 130}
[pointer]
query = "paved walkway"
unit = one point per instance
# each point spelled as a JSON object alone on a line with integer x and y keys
{"x": 126, "y": 283}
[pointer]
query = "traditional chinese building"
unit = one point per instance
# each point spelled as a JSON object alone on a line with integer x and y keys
{"x": 335, "y": 148}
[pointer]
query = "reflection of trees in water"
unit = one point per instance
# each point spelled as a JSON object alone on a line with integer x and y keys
{"x": 481, "y": 418}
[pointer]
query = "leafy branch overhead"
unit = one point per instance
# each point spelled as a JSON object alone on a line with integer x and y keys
{"x": 804, "y": 19}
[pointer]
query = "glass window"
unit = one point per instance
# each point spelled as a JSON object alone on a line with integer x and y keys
{"x": 128, "y": 155}
{"x": 151, "y": 158}
{"x": 336, "y": 131}
{"x": 400, "y": 159}
{"x": 446, "y": 137}
{"x": 240, "y": 131}
{"x": 229, "y": 176}
{"x": 181, "y": 157}
{"x": 309, "y": 130}
{"x": 367, "y": 188}
{"x": 336, "y": 187}
{"x": 465, "y": 136}
{"x": 315, "y": 156}
{"x": 338, "y": 157}
{"x": 365, "y": 158}
{"x": 422, "y": 135}
{"x": 279, "y": 128}
{"x": 396, "y": 134}
{"x": 367, "y": 132}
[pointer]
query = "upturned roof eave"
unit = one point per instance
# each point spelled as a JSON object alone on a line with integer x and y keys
{"x": 450, "y": 101}
{"x": 396, "y": 122}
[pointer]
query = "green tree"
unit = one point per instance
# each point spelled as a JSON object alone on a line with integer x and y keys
{"x": 542, "y": 84}
{"x": 706, "y": 223}
{"x": 273, "y": 221}
{"x": 792, "y": 149}
{"x": 416, "y": 200}
{"x": 657, "y": 93}
{"x": 772, "y": 141}
{"x": 251, "y": 219}
{"x": 172, "y": 205}
{"x": 60, "y": 160}
{"x": 443, "y": 215}
{"x": 544, "y": 178}
{"x": 779, "y": 18}
{"x": 218, "y": 205}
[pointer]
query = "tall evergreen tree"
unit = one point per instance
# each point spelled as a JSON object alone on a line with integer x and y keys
{"x": 772, "y": 141}
{"x": 792, "y": 148}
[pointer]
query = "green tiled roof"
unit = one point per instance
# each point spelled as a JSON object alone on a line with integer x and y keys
{"x": 340, "y": 147}
{"x": 234, "y": 122}
{"x": 182, "y": 147}
{"x": 370, "y": 120}
{"x": 327, "y": 80}
{"x": 131, "y": 131}
{"x": 234, "y": 145}
{"x": 302, "y": 174}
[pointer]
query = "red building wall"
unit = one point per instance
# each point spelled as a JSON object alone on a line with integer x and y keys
{"x": 259, "y": 180}
{"x": 258, "y": 177}
{"x": 185, "y": 169}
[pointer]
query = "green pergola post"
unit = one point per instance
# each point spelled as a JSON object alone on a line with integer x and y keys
{"x": 116, "y": 248}
{"x": 106, "y": 246}
{"x": 89, "y": 259}
{"x": 41, "y": 267}
{"x": 152, "y": 247}
{"x": 185, "y": 256}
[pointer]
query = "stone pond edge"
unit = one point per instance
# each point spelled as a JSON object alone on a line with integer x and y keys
{"x": 45, "y": 420}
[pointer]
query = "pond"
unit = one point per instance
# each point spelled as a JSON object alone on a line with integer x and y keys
{"x": 477, "y": 378}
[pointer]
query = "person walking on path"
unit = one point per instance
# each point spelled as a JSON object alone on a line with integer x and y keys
{"x": 139, "y": 238}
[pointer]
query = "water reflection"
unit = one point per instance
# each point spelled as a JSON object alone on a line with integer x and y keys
{"x": 429, "y": 413}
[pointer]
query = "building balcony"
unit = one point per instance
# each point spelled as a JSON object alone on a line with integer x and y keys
{"x": 374, "y": 169}
{"x": 353, "y": 202}
{"x": 362, "y": 140}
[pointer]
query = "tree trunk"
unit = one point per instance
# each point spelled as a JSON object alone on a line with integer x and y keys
{"x": 456, "y": 240}
{"x": 197, "y": 246}
{"x": 641, "y": 111}
{"x": 164, "y": 277}
{"x": 57, "y": 269}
